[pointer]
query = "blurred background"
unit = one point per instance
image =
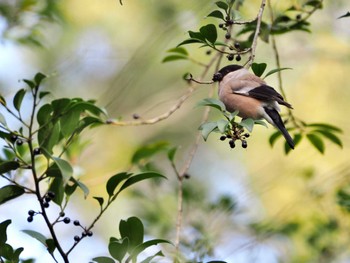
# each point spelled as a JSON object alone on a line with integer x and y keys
{"x": 241, "y": 205}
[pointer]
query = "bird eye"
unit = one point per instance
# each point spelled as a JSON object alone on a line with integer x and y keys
{"x": 217, "y": 77}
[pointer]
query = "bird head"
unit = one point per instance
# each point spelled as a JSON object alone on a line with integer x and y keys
{"x": 224, "y": 71}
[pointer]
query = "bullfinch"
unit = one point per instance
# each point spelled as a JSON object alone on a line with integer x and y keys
{"x": 243, "y": 91}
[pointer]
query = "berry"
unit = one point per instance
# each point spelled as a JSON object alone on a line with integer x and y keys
{"x": 230, "y": 57}
{"x": 136, "y": 116}
{"x": 238, "y": 57}
{"x": 246, "y": 135}
{"x": 244, "y": 144}
{"x": 229, "y": 22}
{"x": 221, "y": 25}
{"x": 76, "y": 238}
{"x": 232, "y": 144}
{"x": 227, "y": 35}
{"x": 66, "y": 220}
{"x": 187, "y": 176}
{"x": 62, "y": 214}
{"x": 84, "y": 234}
{"x": 222, "y": 138}
{"x": 31, "y": 212}
{"x": 47, "y": 199}
{"x": 76, "y": 223}
{"x": 37, "y": 151}
{"x": 51, "y": 194}
{"x": 13, "y": 137}
{"x": 237, "y": 45}
{"x": 30, "y": 219}
{"x": 228, "y": 135}
{"x": 298, "y": 17}
{"x": 89, "y": 233}
{"x": 19, "y": 142}
{"x": 46, "y": 204}
{"x": 208, "y": 52}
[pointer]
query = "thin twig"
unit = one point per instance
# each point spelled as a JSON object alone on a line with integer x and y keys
{"x": 256, "y": 34}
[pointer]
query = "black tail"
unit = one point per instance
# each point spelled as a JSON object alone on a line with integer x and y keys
{"x": 276, "y": 118}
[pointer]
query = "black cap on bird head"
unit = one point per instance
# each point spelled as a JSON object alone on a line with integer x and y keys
{"x": 224, "y": 71}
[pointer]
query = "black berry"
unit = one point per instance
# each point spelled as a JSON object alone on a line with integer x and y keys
{"x": 247, "y": 135}
{"x": 230, "y": 57}
{"x": 238, "y": 57}
{"x": 30, "y": 219}
{"x": 13, "y": 137}
{"x": 229, "y": 22}
{"x": 66, "y": 220}
{"x": 222, "y": 138}
{"x": 298, "y": 17}
{"x": 37, "y": 151}
{"x": 84, "y": 234}
{"x": 31, "y": 212}
{"x": 237, "y": 45}
{"x": 19, "y": 142}
{"x": 51, "y": 194}
{"x": 232, "y": 144}
{"x": 221, "y": 25}
{"x": 76, "y": 238}
{"x": 47, "y": 199}
{"x": 62, "y": 214}
{"x": 46, "y": 204}
{"x": 89, "y": 233}
{"x": 244, "y": 144}
{"x": 136, "y": 116}
{"x": 227, "y": 35}
{"x": 76, "y": 223}
{"x": 187, "y": 176}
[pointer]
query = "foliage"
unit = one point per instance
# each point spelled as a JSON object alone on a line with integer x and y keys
{"x": 41, "y": 146}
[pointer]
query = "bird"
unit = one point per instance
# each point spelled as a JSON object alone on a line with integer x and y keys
{"x": 250, "y": 95}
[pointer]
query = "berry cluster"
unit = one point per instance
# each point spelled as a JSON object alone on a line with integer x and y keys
{"x": 226, "y": 26}
{"x": 15, "y": 140}
{"x": 234, "y": 135}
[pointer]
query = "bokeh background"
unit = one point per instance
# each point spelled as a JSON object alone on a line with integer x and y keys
{"x": 241, "y": 205}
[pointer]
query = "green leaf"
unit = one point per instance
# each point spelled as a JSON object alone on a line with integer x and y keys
{"x": 179, "y": 50}
{"x": 150, "y": 258}
{"x": 207, "y": 128}
{"x": 18, "y": 98}
{"x": 100, "y": 200}
{"x": 9, "y": 192}
{"x": 39, "y": 78}
{"x": 139, "y": 177}
{"x": 50, "y": 244}
{"x": 197, "y": 35}
{"x": 103, "y": 260}
{"x": 211, "y": 102}
{"x": 146, "y": 245}
{"x": 42, "y": 94}
{"x": 259, "y": 68}
{"x": 274, "y": 71}
{"x": 190, "y": 41}
{"x": 209, "y": 32}
{"x": 65, "y": 168}
{"x": 2, "y": 118}
{"x": 171, "y": 154}
{"x": 57, "y": 187}
{"x": 217, "y": 14}
{"x": 44, "y": 114}
{"x": 325, "y": 126}
{"x": 297, "y": 138}
{"x": 6, "y": 251}
{"x": 82, "y": 186}
{"x": 248, "y": 124}
{"x": 132, "y": 229}
{"x": 29, "y": 83}
{"x": 222, "y": 5}
{"x": 316, "y": 142}
{"x": 173, "y": 57}
{"x": 8, "y": 166}
{"x": 331, "y": 136}
{"x": 2, "y": 101}
{"x": 346, "y": 15}
{"x": 114, "y": 181}
{"x": 261, "y": 122}
{"x": 3, "y": 229}
{"x": 36, "y": 235}
{"x": 149, "y": 150}
{"x": 118, "y": 248}
{"x": 69, "y": 121}
{"x": 222, "y": 125}
{"x": 313, "y": 3}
